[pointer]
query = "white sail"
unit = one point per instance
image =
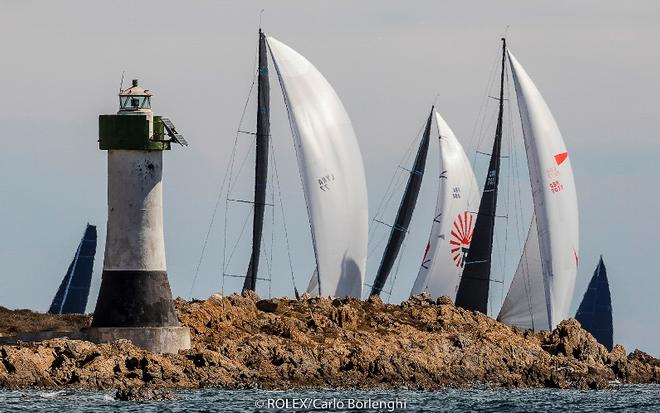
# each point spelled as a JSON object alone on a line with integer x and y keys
{"x": 553, "y": 191}
{"x": 525, "y": 304}
{"x": 332, "y": 172}
{"x": 453, "y": 222}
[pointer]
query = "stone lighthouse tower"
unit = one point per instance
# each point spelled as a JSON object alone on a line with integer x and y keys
{"x": 135, "y": 300}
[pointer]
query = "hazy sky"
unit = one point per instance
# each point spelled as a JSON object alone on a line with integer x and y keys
{"x": 595, "y": 62}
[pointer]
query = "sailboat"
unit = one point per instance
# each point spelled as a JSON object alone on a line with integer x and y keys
{"x": 330, "y": 167}
{"x": 542, "y": 287}
{"x": 405, "y": 211}
{"x": 71, "y": 296}
{"x": 453, "y": 221}
{"x": 595, "y": 310}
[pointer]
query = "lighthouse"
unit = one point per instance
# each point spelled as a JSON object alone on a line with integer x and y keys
{"x": 135, "y": 300}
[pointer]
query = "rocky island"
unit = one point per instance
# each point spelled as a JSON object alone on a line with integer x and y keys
{"x": 244, "y": 342}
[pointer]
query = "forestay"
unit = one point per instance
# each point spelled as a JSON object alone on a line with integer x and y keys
{"x": 453, "y": 222}
{"x": 553, "y": 191}
{"x": 332, "y": 173}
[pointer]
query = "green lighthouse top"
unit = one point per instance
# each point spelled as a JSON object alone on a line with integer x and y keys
{"x": 135, "y": 127}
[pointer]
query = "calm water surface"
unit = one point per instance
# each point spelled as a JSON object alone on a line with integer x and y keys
{"x": 621, "y": 399}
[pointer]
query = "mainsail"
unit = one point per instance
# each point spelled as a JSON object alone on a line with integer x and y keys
{"x": 405, "y": 212}
{"x": 475, "y": 281}
{"x": 332, "y": 173}
{"x": 595, "y": 311}
{"x": 72, "y": 295}
{"x": 453, "y": 222}
{"x": 261, "y": 164}
{"x": 554, "y": 196}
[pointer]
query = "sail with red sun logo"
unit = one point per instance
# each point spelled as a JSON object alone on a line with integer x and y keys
{"x": 453, "y": 222}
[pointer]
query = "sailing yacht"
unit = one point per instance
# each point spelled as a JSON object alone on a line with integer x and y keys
{"x": 405, "y": 211}
{"x": 595, "y": 310}
{"x": 542, "y": 287}
{"x": 453, "y": 221}
{"x": 330, "y": 166}
{"x": 71, "y": 296}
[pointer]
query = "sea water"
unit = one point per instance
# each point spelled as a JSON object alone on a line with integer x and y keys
{"x": 629, "y": 398}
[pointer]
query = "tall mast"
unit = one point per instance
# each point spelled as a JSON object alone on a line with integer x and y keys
{"x": 404, "y": 215}
{"x": 475, "y": 282}
{"x": 261, "y": 164}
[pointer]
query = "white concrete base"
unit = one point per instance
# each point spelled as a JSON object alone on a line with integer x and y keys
{"x": 154, "y": 339}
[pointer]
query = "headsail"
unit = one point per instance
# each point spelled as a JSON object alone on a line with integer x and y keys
{"x": 475, "y": 281}
{"x": 525, "y": 305}
{"x": 595, "y": 311}
{"x": 405, "y": 212}
{"x": 72, "y": 295}
{"x": 332, "y": 172}
{"x": 553, "y": 192}
{"x": 453, "y": 222}
{"x": 261, "y": 165}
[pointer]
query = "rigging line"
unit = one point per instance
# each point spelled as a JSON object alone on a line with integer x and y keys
{"x": 230, "y": 167}
{"x": 217, "y": 203}
{"x": 508, "y": 193}
{"x": 240, "y": 122}
{"x": 400, "y": 180}
{"x": 224, "y": 248}
{"x": 398, "y": 266}
{"x": 478, "y": 126}
{"x": 233, "y": 251}
{"x": 272, "y": 229}
{"x": 248, "y": 153}
{"x": 208, "y": 234}
{"x": 279, "y": 195}
{"x": 397, "y": 180}
{"x": 397, "y": 174}
{"x": 380, "y": 242}
{"x": 269, "y": 265}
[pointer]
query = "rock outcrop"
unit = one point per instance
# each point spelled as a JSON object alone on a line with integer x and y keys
{"x": 242, "y": 341}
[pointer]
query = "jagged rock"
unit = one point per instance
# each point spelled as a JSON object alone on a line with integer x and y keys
{"x": 240, "y": 341}
{"x": 444, "y": 300}
{"x": 215, "y": 299}
{"x": 250, "y": 294}
{"x": 268, "y": 306}
{"x": 375, "y": 300}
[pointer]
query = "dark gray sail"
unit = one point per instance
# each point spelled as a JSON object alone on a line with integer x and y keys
{"x": 473, "y": 289}
{"x": 261, "y": 164}
{"x": 405, "y": 212}
{"x": 72, "y": 295}
{"x": 595, "y": 311}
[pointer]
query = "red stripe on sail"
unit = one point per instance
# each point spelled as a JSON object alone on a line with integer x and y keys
{"x": 561, "y": 157}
